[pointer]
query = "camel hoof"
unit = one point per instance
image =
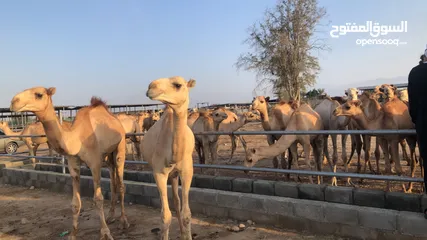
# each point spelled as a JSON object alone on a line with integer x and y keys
{"x": 124, "y": 223}
{"x": 110, "y": 219}
{"x": 106, "y": 235}
{"x": 72, "y": 238}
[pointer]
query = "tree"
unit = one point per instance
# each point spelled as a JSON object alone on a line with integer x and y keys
{"x": 283, "y": 45}
{"x": 314, "y": 93}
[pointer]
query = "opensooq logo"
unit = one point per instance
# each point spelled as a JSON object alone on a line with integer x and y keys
{"x": 375, "y": 30}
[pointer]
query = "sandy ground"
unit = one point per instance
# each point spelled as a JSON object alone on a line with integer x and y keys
{"x": 224, "y": 151}
{"x": 40, "y": 214}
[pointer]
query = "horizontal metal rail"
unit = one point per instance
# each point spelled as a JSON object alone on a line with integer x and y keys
{"x": 27, "y": 156}
{"x": 297, "y": 172}
{"x": 398, "y": 85}
{"x": 318, "y": 132}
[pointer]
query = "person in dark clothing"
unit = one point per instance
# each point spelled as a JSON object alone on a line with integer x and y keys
{"x": 417, "y": 94}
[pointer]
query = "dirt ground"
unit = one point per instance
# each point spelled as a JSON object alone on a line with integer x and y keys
{"x": 40, "y": 214}
{"x": 224, "y": 151}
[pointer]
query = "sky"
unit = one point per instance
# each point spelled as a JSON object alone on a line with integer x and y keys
{"x": 114, "y": 49}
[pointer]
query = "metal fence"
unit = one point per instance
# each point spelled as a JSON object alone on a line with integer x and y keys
{"x": 272, "y": 170}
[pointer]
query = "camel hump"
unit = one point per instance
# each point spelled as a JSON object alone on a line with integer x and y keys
{"x": 96, "y": 101}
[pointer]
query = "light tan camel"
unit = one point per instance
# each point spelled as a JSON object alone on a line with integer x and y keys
{"x": 330, "y": 122}
{"x": 275, "y": 120}
{"x": 168, "y": 147}
{"x": 95, "y": 134}
{"x": 130, "y": 124}
{"x": 403, "y": 95}
{"x": 244, "y": 118}
{"x": 192, "y": 118}
{"x": 392, "y": 115}
{"x": 304, "y": 118}
{"x": 32, "y": 143}
{"x": 207, "y": 145}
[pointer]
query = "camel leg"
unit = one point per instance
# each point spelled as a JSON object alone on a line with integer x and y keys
{"x": 353, "y": 148}
{"x": 113, "y": 188}
{"x": 136, "y": 145}
{"x": 95, "y": 168}
{"x": 199, "y": 152}
{"x": 307, "y": 150}
{"x": 213, "y": 147}
{"x": 318, "y": 156}
{"x": 119, "y": 161}
{"x": 366, "y": 149}
{"x": 412, "y": 142}
{"x": 176, "y": 200}
{"x": 50, "y": 149}
{"x": 293, "y": 160}
{"x": 384, "y": 146}
{"x": 161, "y": 181}
{"x": 30, "y": 147}
{"x": 233, "y": 147}
{"x": 343, "y": 147}
{"x": 74, "y": 168}
{"x": 405, "y": 152}
{"x": 359, "y": 145}
{"x": 270, "y": 141}
{"x": 377, "y": 154}
{"x": 186, "y": 178}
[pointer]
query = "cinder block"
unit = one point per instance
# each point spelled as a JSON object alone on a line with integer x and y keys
{"x": 131, "y": 175}
{"x": 369, "y": 198}
{"x": 309, "y": 210}
{"x": 205, "y": 196}
{"x": 228, "y": 199}
{"x": 205, "y": 181}
{"x": 33, "y": 175}
{"x": 263, "y": 187}
{"x": 193, "y": 181}
{"x": 323, "y": 228}
{"x": 142, "y": 200}
{"x": 378, "y": 218}
{"x": 410, "y": 223}
{"x": 251, "y": 202}
{"x": 342, "y": 214}
{"x": 339, "y": 195}
{"x": 145, "y": 176}
{"x": 242, "y": 185}
{"x": 216, "y": 212}
{"x": 239, "y": 214}
{"x": 223, "y": 183}
{"x": 150, "y": 190}
{"x": 129, "y": 198}
{"x": 423, "y": 202}
{"x": 286, "y": 189}
{"x": 156, "y": 203}
{"x": 358, "y": 232}
{"x": 312, "y": 191}
{"x": 38, "y": 167}
{"x": 403, "y": 201}
{"x": 292, "y": 223}
{"x": 135, "y": 189}
{"x": 85, "y": 171}
{"x": 105, "y": 173}
{"x": 279, "y": 206}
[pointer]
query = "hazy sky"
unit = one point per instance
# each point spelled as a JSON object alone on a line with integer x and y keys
{"x": 113, "y": 49}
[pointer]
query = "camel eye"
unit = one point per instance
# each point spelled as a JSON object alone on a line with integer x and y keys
{"x": 261, "y": 101}
{"x": 347, "y": 107}
{"x": 177, "y": 85}
{"x": 38, "y": 95}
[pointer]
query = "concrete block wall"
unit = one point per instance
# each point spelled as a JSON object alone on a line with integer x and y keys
{"x": 317, "y": 217}
{"x": 344, "y": 195}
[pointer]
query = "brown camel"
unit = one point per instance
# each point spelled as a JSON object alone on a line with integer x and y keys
{"x": 149, "y": 121}
{"x": 392, "y": 115}
{"x": 244, "y": 118}
{"x": 32, "y": 143}
{"x": 192, "y": 118}
{"x": 304, "y": 118}
{"x": 168, "y": 147}
{"x": 330, "y": 122}
{"x": 275, "y": 120}
{"x": 95, "y": 134}
{"x": 130, "y": 124}
{"x": 208, "y": 121}
{"x": 403, "y": 95}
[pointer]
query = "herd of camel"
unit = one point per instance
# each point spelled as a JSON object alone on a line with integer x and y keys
{"x": 97, "y": 137}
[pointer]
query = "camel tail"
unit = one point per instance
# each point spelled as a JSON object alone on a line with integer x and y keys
{"x": 96, "y": 101}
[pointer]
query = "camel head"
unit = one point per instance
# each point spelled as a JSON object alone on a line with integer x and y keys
{"x": 172, "y": 91}
{"x": 155, "y": 116}
{"x": 388, "y": 91}
{"x": 403, "y": 95}
{"x": 251, "y": 116}
{"x": 352, "y": 93}
{"x": 251, "y": 157}
{"x": 260, "y": 102}
{"x": 219, "y": 115}
{"x": 350, "y": 108}
{"x": 32, "y": 100}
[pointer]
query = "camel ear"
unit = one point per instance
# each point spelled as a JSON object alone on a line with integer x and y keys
{"x": 191, "y": 83}
{"x": 345, "y": 92}
{"x": 357, "y": 103}
{"x": 50, "y": 91}
{"x": 267, "y": 99}
{"x": 253, "y": 150}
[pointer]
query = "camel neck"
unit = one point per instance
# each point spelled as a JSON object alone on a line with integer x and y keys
{"x": 369, "y": 124}
{"x": 238, "y": 124}
{"x": 54, "y": 132}
{"x": 179, "y": 131}
{"x": 265, "y": 121}
{"x": 9, "y": 132}
{"x": 277, "y": 148}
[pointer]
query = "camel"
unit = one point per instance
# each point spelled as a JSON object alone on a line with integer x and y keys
{"x": 168, "y": 147}
{"x": 392, "y": 115}
{"x": 403, "y": 95}
{"x": 32, "y": 143}
{"x": 130, "y": 124}
{"x": 207, "y": 145}
{"x": 304, "y": 118}
{"x": 234, "y": 126}
{"x": 280, "y": 116}
{"x": 331, "y": 122}
{"x": 149, "y": 121}
{"x": 96, "y": 135}
{"x": 192, "y": 118}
